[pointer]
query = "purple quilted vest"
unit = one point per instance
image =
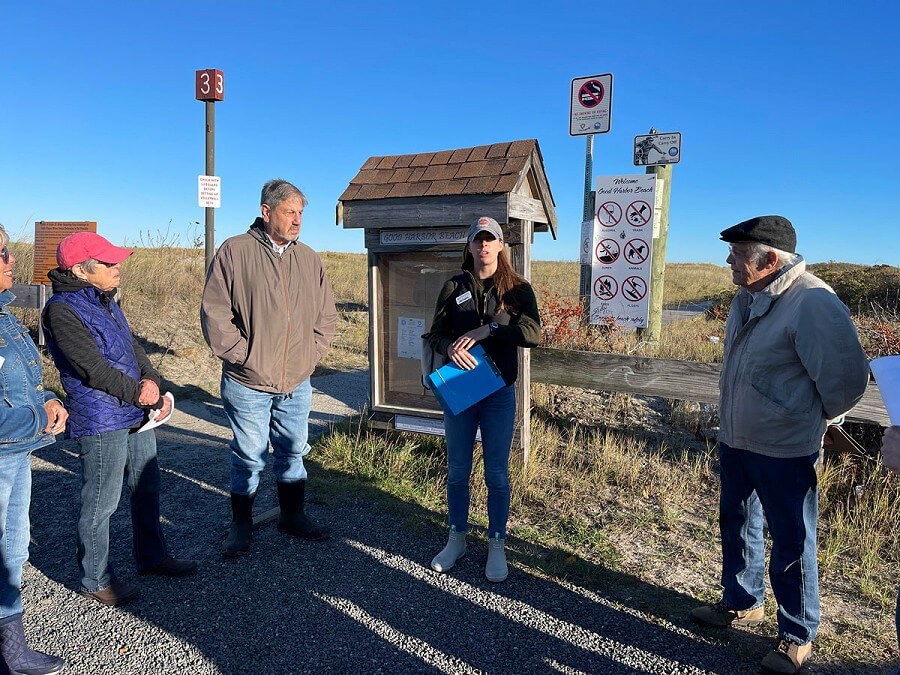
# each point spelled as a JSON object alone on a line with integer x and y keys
{"x": 92, "y": 411}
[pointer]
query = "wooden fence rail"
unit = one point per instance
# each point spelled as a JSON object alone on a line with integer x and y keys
{"x": 681, "y": 380}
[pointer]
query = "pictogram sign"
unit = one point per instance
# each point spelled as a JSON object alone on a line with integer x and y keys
{"x": 607, "y": 251}
{"x": 657, "y": 149}
{"x": 636, "y": 251}
{"x": 639, "y": 213}
{"x": 606, "y": 287}
{"x": 590, "y": 94}
{"x": 622, "y": 250}
{"x": 609, "y": 214}
{"x": 634, "y": 289}
{"x": 590, "y": 105}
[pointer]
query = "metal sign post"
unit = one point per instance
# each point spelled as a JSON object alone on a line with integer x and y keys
{"x": 210, "y": 87}
{"x": 584, "y": 282}
{"x": 590, "y": 112}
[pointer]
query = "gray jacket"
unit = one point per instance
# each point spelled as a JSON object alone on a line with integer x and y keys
{"x": 794, "y": 364}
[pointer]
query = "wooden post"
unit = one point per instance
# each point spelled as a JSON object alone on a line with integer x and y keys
{"x": 210, "y": 225}
{"x": 521, "y": 261}
{"x": 209, "y": 86}
{"x": 653, "y": 331}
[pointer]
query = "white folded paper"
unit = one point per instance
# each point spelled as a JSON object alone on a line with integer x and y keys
{"x": 155, "y": 420}
{"x": 887, "y": 376}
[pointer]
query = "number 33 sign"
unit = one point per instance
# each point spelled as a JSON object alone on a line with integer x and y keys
{"x": 210, "y": 85}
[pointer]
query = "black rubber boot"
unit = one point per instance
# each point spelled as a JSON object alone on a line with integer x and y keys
{"x": 292, "y": 519}
{"x": 18, "y": 657}
{"x": 237, "y": 543}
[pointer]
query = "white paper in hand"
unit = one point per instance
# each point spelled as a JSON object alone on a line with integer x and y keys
{"x": 155, "y": 420}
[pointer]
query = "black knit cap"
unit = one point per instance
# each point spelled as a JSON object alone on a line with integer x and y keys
{"x": 774, "y": 231}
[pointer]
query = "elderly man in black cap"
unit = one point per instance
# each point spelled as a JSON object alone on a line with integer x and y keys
{"x": 792, "y": 362}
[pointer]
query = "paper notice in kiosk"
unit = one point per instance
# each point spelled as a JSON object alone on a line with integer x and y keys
{"x": 457, "y": 389}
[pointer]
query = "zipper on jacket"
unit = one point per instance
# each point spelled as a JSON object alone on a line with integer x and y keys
{"x": 287, "y": 313}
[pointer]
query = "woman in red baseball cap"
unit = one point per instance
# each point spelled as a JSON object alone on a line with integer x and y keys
{"x": 111, "y": 388}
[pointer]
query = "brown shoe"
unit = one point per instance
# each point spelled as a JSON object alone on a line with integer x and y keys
{"x": 172, "y": 567}
{"x": 118, "y": 593}
{"x": 720, "y": 616}
{"x": 787, "y": 657}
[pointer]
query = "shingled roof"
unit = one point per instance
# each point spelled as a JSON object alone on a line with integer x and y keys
{"x": 485, "y": 169}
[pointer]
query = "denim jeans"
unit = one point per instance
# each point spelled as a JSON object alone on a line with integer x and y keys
{"x": 106, "y": 459}
{"x": 15, "y": 498}
{"x": 786, "y": 490}
{"x": 496, "y": 416}
{"x": 256, "y": 418}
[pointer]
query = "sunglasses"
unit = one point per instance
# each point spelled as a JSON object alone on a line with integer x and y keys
{"x": 5, "y": 254}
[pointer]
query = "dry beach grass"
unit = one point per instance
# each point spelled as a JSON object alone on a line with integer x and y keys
{"x": 619, "y": 482}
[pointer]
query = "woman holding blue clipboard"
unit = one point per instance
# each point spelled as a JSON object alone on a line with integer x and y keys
{"x": 487, "y": 304}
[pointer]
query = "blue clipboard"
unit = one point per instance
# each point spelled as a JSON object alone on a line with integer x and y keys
{"x": 457, "y": 389}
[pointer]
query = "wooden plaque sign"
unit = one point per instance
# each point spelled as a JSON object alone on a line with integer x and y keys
{"x": 210, "y": 85}
{"x": 47, "y": 235}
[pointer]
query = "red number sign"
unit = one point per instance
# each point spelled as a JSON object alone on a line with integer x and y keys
{"x": 210, "y": 85}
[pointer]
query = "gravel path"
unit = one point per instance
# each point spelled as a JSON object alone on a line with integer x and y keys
{"x": 364, "y": 601}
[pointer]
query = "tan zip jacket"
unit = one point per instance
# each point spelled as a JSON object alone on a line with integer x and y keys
{"x": 794, "y": 364}
{"x": 269, "y": 317}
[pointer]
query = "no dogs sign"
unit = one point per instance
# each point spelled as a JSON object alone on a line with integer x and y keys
{"x": 590, "y": 105}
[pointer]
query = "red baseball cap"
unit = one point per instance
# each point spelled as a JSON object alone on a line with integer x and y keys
{"x": 78, "y": 247}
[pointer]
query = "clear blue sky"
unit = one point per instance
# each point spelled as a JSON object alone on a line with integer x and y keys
{"x": 784, "y": 107}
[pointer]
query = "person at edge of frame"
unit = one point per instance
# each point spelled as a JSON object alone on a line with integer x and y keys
{"x": 30, "y": 418}
{"x": 890, "y": 454}
{"x": 792, "y": 362}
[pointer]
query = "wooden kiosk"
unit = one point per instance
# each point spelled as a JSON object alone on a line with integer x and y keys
{"x": 416, "y": 210}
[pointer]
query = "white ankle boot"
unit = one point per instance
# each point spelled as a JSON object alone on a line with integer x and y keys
{"x": 496, "y": 569}
{"x": 453, "y": 551}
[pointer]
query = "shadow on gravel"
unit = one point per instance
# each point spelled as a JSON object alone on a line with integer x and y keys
{"x": 363, "y": 601}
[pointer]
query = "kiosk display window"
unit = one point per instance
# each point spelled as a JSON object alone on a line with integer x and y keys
{"x": 410, "y": 283}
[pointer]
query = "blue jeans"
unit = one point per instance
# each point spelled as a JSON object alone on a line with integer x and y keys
{"x": 786, "y": 490}
{"x": 496, "y": 416}
{"x": 106, "y": 459}
{"x": 15, "y": 498}
{"x": 256, "y": 418}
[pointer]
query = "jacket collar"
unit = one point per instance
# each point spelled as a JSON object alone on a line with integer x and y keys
{"x": 66, "y": 282}
{"x": 6, "y": 297}
{"x": 761, "y": 302}
{"x": 258, "y": 231}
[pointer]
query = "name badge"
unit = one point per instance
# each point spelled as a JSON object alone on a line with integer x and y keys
{"x": 462, "y": 298}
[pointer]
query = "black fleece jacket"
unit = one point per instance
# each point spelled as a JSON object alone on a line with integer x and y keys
{"x": 63, "y": 326}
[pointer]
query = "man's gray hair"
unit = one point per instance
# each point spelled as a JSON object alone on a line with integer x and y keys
{"x": 4, "y": 237}
{"x": 757, "y": 251}
{"x": 278, "y": 190}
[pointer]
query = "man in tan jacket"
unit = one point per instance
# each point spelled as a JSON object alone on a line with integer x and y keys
{"x": 268, "y": 312}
